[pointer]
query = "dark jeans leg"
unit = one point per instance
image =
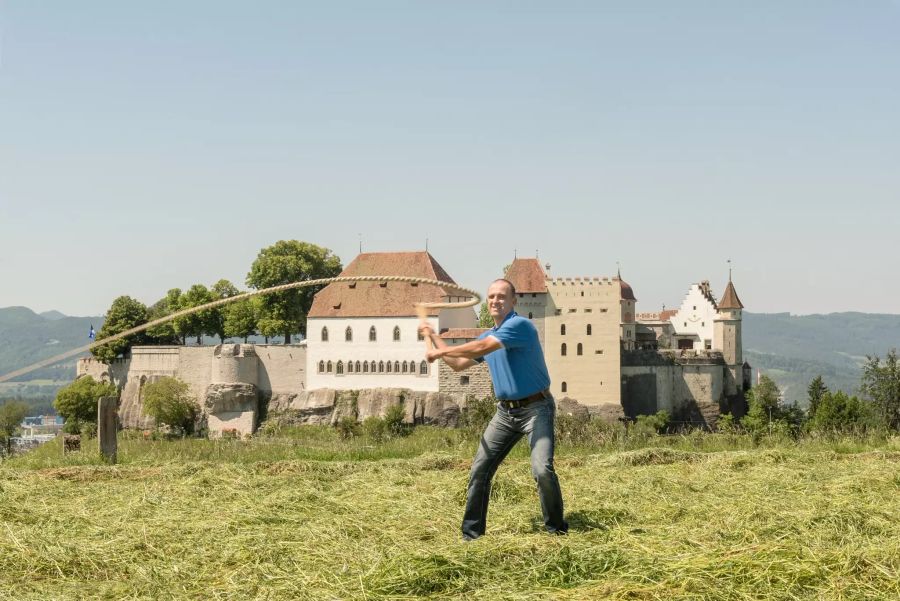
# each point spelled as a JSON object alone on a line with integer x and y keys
{"x": 541, "y": 438}
{"x": 498, "y": 439}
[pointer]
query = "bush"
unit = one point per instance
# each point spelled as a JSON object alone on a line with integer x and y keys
{"x": 72, "y": 426}
{"x": 650, "y": 425}
{"x": 347, "y": 427}
{"x": 478, "y": 413}
{"x": 89, "y": 430}
{"x": 79, "y": 399}
{"x": 169, "y": 401}
{"x": 374, "y": 428}
{"x": 393, "y": 420}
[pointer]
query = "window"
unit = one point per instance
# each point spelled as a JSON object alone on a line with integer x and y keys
{"x": 405, "y": 367}
{"x": 381, "y": 367}
{"x": 420, "y": 337}
{"x": 588, "y": 310}
{"x": 562, "y": 350}
{"x": 702, "y": 324}
{"x": 565, "y": 387}
{"x": 396, "y": 333}
{"x": 695, "y": 307}
{"x": 348, "y": 334}
{"x": 572, "y": 310}
{"x": 464, "y": 380}
{"x": 349, "y": 367}
{"x": 357, "y": 367}
{"x": 389, "y": 366}
{"x": 603, "y": 310}
{"x": 582, "y": 293}
{"x": 598, "y": 352}
{"x": 324, "y": 334}
{"x": 562, "y": 329}
{"x": 530, "y": 315}
{"x": 321, "y": 367}
{"x": 423, "y": 368}
{"x": 372, "y": 336}
{"x": 588, "y": 329}
{"x": 365, "y": 367}
{"x": 579, "y": 350}
{"x": 328, "y": 367}
{"x": 339, "y": 369}
{"x": 397, "y": 366}
{"x": 559, "y": 311}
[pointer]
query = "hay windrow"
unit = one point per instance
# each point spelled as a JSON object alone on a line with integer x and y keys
{"x": 296, "y": 521}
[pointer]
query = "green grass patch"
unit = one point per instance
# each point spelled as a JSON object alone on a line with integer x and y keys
{"x": 307, "y": 515}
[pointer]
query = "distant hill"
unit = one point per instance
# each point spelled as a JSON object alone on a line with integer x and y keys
{"x": 793, "y": 349}
{"x": 28, "y": 337}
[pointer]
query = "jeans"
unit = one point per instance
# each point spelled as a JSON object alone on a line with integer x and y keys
{"x": 502, "y": 433}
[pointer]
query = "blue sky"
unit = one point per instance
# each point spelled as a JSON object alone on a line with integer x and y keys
{"x": 145, "y": 146}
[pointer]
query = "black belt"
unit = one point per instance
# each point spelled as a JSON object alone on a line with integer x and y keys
{"x": 519, "y": 403}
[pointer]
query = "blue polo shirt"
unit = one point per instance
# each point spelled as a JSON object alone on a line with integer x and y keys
{"x": 517, "y": 369}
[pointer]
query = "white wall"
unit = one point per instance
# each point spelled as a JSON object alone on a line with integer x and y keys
{"x": 698, "y": 313}
{"x": 409, "y": 348}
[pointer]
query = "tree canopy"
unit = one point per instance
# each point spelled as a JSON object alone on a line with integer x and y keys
{"x": 11, "y": 415}
{"x": 124, "y": 313}
{"x": 285, "y": 262}
{"x": 78, "y": 400}
{"x": 169, "y": 402}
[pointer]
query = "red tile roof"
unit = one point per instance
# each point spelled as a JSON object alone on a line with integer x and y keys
{"x": 527, "y": 275}
{"x": 382, "y": 299}
{"x": 667, "y": 314}
{"x": 626, "y": 292}
{"x": 730, "y": 299}
{"x": 464, "y": 333}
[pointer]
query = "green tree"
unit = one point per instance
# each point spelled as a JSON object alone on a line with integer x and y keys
{"x": 837, "y": 411}
{"x": 11, "y": 415}
{"x": 165, "y": 333}
{"x": 764, "y": 408}
{"x": 285, "y": 262}
{"x": 815, "y": 391}
{"x": 169, "y": 401}
{"x": 484, "y": 317}
{"x": 217, "y": 317}
{"x": 881, "y": 384}
{"x": 124, "y": 313}
{"x": 241, "y": 317}
{"x": 195, "y": 324}
{"x": 78, "y": 400}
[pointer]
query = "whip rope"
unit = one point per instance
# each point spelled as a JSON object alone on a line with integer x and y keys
{"x": 421, "y": 310}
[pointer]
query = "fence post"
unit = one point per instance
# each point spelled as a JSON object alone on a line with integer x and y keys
{"x": 107, "y": 426}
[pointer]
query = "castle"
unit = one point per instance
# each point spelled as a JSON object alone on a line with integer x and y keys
{"x": 363, "y": 352}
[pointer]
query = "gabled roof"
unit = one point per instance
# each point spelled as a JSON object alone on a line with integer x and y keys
{"x": 730, "y": 299}
{"x": 382, "y": 299}
{"x": 527, "y": 275}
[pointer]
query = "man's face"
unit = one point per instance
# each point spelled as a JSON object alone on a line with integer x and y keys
{"x": 500, "y": 300}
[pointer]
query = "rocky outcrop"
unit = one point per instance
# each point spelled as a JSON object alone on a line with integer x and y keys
{"x": 232, "y": 396}
{"x": 567, "y": 406}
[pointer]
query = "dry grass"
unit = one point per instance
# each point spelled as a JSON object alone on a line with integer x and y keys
{"x": 269, "y": 520}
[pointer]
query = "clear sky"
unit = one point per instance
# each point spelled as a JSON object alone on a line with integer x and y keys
{"x": 145, "y": 146}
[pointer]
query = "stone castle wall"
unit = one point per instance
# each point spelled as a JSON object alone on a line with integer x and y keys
{"x": 474, "y": 382}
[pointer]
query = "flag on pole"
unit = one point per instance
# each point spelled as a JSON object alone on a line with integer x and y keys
{"x": 92, "y": 334}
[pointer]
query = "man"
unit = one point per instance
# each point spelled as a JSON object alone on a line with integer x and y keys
{"x": 525, "y": 407}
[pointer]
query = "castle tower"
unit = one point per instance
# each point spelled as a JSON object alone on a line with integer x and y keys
{"x": 530, "y": 281}
{"x": 727, "y": 335}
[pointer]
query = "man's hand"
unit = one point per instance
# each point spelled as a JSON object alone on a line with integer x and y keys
{"x": 425, "y": 329}
{"x": 432, "y": 355}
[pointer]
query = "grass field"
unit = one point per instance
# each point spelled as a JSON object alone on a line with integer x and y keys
{"x": 306, "y": 515}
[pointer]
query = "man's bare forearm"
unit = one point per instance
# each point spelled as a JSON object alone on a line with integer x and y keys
{"x": 455, "y": 363}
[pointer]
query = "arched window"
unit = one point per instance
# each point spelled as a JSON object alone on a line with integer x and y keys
{"x": 565, "y": 387}
{"x": 324, "y": 334}
{"x": 348, "y": 334}
{"x": 396, "y": 333}
{"x": 349, "y": 367}
{"x": 562, "y": 329}
{"x": 405, "y": 367}
{"x": 530, "y": 315}
{"x": 420, "y": 337}
{"x": 397, "y": 367}
{"x": 562, "y": 350}
{"x": 372, "y": 336}
{"x": 328, "y": 367}
{"x": 340, "y": 368}
{"x": 381, "y": 367}
{"x": 365, "y": 367}
{"x": 389, "y": 367}
{"x": 357, "y": 367}
{"x": 423, "y": 368}
{"x": 588, "y": 329}
{"x": 321, "y": 367}
{"x": 579, "y": 350}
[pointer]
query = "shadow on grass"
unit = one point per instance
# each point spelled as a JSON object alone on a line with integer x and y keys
{"x": 588, "y": 520}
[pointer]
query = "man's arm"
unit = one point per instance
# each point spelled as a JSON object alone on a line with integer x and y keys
{"x": 458, "y": 357}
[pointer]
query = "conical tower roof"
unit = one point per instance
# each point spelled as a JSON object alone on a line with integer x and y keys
{"x": 730, "y": 299}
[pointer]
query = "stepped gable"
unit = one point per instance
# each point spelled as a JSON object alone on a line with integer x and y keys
{"x": 383, "y": 299}
{"x": 730, "y": 299}
{"x": 527, "y": 275}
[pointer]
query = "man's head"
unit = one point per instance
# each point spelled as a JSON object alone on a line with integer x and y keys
{"x": 501, "y": 298}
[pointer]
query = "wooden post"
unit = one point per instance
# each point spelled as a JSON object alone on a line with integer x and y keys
{"x": 107, "y": 426}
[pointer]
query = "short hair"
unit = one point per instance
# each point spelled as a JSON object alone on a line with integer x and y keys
{"x": 508, "y": 283}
